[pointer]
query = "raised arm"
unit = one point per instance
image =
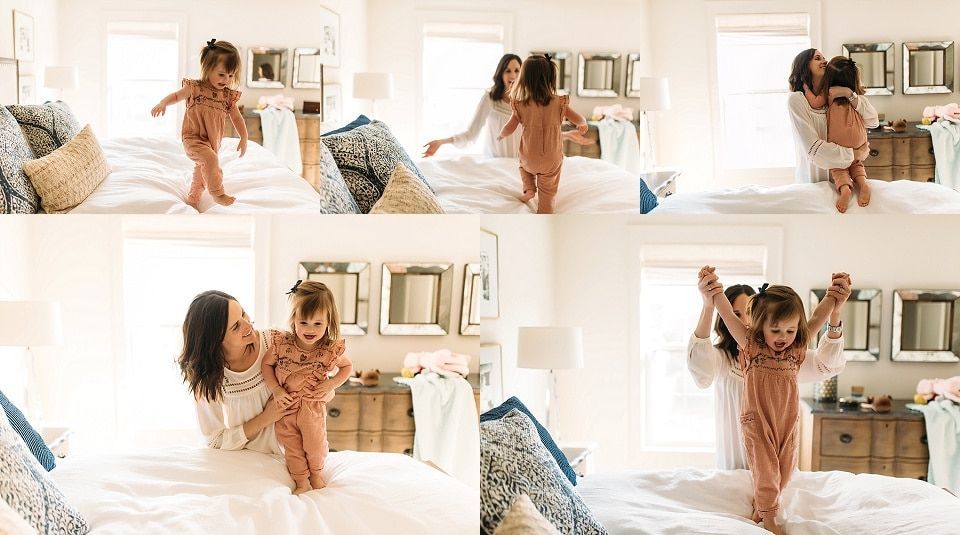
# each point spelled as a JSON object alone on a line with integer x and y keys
{"x": 838, "y": 293}
{"x": 172, "y": 98}
{"x": 734, "y": 324}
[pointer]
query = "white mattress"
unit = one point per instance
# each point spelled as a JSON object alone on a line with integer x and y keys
{"x": 152, "y": 176}
{"x": 206, "y": 491}
{"x": 896, "y": 197}
{"x": 475, "y": 184}
{"x": 716, "y": 501}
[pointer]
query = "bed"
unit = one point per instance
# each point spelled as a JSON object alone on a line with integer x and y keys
{"x": 201, "y": 490}
{"x": 719, "y": 501}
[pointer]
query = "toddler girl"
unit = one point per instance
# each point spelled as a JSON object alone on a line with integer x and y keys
{"x": 845, "y": 127}
{"x": 297, "y": 370}
{"x": 541, "y": 111}
{"x": 772, "y": 349}
{"x": 209, "y": 100}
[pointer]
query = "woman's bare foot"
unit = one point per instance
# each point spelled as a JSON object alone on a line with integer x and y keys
{"x": 225, "y": 200}
{"x": 863, "y": 196}
{"x": 844, "y": 201}
{"x": 301, "y": 489}
{"x": 527, "y": 195}
{"x": 770, "y": 525}
{"x": 317, "y": 482}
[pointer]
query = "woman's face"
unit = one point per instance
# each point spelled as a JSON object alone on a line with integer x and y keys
{"x": 511, "y": 73}
{"x": 740, "y": 308}
{"x": 780, "y": 335}
{"x": 311, "y": 330}
{"x": 818, "y": 64}
{"x": 240, "y": 331}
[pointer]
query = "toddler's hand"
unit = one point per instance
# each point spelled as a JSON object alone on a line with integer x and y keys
{"x": 583, "y": 128}
{"x": 159, "y": 109}
{"x": 242, "y": 147}
{"x": 283, "y": 398}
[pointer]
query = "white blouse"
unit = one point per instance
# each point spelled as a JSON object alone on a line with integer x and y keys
{"x": 709, "y": 365}
{"x": 245, "y": 395}
{"x": 491, "y": 116}
{"x": 816, "y": 156}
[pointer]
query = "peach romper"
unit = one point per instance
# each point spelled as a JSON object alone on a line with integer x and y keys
{"x": 207, "y": 111}
{"x": 541, "y": 150}
{"x": 845, "y": 127}
{"x": 770, "y": 419}
{"x": 303, "y": 434}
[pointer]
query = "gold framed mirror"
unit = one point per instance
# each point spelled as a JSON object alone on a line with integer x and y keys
{"x": 876, "y": 64}
{"x": 415, "y": 298}
{"x": 598, "y": 75}
{"x": 928, "y": 67}
{"x": 470, "y": 305}
{"x": 307, "y": 68}
{"x": 861, "y": 323}
{"x": 266, "y": 67}
{"x": 926, "y": 326}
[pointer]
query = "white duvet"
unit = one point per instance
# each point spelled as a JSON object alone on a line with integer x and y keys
{"x": 814, "y": 503}
{"x": 475, "y": 184}
{"x": 207, "y": 491}
{"x": 152, "y": 176}
{"x": 896, "y": 197}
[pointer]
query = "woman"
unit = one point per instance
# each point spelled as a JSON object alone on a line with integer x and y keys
{"x": 220, "y": 363}
{"x": 808, "y": 115}
{"x": 718, "y": 363}
{"x": 493, "y": 112}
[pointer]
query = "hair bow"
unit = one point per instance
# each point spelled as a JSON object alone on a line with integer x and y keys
{"x": 211, "y": 43}
{"x": 763, "y": 289}
{"x": 547, "y": 56}
{"x": 295, "y": 286}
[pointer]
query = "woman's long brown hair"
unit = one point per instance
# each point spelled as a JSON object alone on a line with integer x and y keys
{"x": 201, "y": 362}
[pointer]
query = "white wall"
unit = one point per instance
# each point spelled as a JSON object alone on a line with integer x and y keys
{"x": 527, "y": 299}
{"x": 601, "y": 26}
{"x": 245, "y": 23}
{"x": 14, "y": 276}
{"x": 45, "y": 15}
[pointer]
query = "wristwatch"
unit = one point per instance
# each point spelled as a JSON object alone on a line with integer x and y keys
{"x": 836, "y": 329}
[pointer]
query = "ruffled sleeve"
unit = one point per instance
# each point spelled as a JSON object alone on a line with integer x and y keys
{"x": 233, "y": 96}
{"x": 564, "y": 102}
{"x": 194, "y": 86}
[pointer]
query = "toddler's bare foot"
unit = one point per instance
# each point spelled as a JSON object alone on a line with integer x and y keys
{"x": 527, "y": 195}
{"x": 770, "y": 525}
{"x": 756, "y": 515}
{"x": 195, "y": 204}
{"x": 863, "y": 197}
{"x": 845, "y": 193}
{"x": 225, "y": 200}
{"x": 301, "y": 489}
{"x": 317, "y": 482}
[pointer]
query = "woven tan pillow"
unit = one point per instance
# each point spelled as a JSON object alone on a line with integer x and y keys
{"x": 523, "y": 518}
{"x": 68, "y": 175}
{"x": 406, "y": 194}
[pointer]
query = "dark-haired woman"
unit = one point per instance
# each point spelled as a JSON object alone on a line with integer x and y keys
{"x": 221, "y": 363}
{"x": 493, "y": 112}
{"x": 808, "y": 116}
{"x": 716, "y": 365}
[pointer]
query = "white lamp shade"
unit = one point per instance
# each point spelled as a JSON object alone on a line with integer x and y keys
{"x": 30, "y": 323}
{"x": 61, "y": 77}
{"x": 654, "y": 94}
{"x": 373, "y": 85}
{"x": 550, "y": 348}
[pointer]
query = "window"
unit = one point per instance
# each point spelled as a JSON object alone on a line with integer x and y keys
{"x": 753, "y": 58}
{"x": 458, "y": 62}
{"x": 162, "y": 272}
{"x": 134, "y": 86}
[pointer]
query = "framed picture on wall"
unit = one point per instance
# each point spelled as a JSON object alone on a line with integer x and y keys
{"x": 23, "y": 37}
{"x": 329, "y": 30}
{"x": 28, "y": 89}
{"x": 332, "y": 104}
{"x": 489, "y": 275}
{"x": 491, "y": 376}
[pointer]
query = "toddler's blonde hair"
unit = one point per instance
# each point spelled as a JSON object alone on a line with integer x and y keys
{"x": 216, "y": 52}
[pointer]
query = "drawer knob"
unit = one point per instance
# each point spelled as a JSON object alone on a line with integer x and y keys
{"x": 874, "y": 152}
{"x": 408, "y": 451}
{"x": 846, "y": 438}
{"x": 930, "y": 150}
{"x": 923, "y": 440}
{"x": 334, "y": 412}
{"x": 410, "y": 412}
{"x": 922, "y": 478}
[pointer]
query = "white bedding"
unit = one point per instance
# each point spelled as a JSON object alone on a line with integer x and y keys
{"x": 152, "y": 176}
{"x": 476, "y": 184}
{"x": 207, "y": 491}
{"x": 716, "y": 501}
{"x": 896, "y": 197}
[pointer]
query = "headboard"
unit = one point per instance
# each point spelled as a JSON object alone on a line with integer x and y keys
{"x": 9, "y": 81}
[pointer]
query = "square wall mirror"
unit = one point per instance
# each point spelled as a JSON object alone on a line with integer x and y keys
{"x": 927, "y": 67}
{"x": 564, "y": 69}
{"x": 350, "y": 284}
{"x": 307, "y": 68}
{"x": 634, "y": 73}
{"x": 266, "y": 67}
{"x": 470, "y": 305}
{"x": 926, "y": 326}
{"x": 598, "y": 75}
{"x": 415, "y": 299}
{"x": 861, "y": 323}
{"x": 876, "y": 64}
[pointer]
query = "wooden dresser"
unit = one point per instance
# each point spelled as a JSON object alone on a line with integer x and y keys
{"x": 378, "y": 418}
{"x": 891, "y": 444}
{"x": 589, "y": 151}
{"x": 308, "y": 129}
{"x": 901, "y": 156}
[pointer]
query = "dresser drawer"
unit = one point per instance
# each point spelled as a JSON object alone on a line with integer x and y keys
{"x": 312, "y": 174}
{"x": 254, "y": 130}
{"x": 912, "y": 439}
{"x": 310, "y": 152}
{"x": 343, "y": 440}
{"x": 884, "y": 439}
{"x": 845, "y": 464}
{"x": 881, "y": 152}
{"x": 308, "y": 128}
{"x": 923, "y": 173}
{"x": 879, "y": 173}
{"x": 370, "y": 441}
{"x": 371, "y": 411}
{"x": 884, "y": 467}
{"x": 913, "y": 470}
{"x": 398, "y": 443}
{"x": 398, "y": 412}
{"x": 902, "y": 172}
{"x": 921, "y": 151}
{"x": 844, "y": 437}
{"x": 343, "y": 412}
{"x": 901, "y": 151}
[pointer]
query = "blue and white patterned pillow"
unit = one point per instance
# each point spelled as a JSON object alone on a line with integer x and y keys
{"x": 514, "y": 461}
{"x": 17, "y": 195}
{"x": 47, "y": 127}
{"x": 29, "y": 435}
{"x": 29, "y": 491}
{"x": 648, "y": 201}
{"x": 367, "y": 156}
{"x": 334, "y": 193}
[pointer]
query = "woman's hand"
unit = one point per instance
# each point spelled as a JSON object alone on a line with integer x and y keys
{"x": 862, "y": 152}
{"x": 284, "y": 399}
{"x": 158, "y": 110}
{"x": 583, "y": 129}
{"x": 272, "y": 411}
{"x": 709, "y": 285}
{"x": 840, "y": 288}
{"x": 433, "y": 146}
{"x": 577, "y": 137}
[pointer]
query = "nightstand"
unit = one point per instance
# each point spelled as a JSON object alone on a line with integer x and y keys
{"x": 580, "y": 456}
{"x": 662, "y": 182}
{"x": 57, "y": 439}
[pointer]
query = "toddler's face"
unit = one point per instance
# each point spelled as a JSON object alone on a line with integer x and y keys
{"x": 311, "y": 330}
{"x": 220, "y": 77}
{"x": 780, "y": 335}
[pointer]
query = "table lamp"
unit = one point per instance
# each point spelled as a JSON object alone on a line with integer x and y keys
{"x": 30, "y": 324}
{"x": 373, "y": 86}
{"x": 550, "y": 348}
{"x": 653, "y": 95}
{"x": 61, "y": 77}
